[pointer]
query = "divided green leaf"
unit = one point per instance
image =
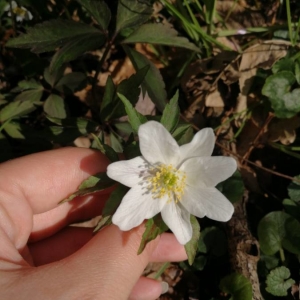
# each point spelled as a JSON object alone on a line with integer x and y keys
{"x": 132, "y": 13}
{"x": 170, "y": 116}
{"x": 135, "y": 118}
{"x": 54, "y": 106}
{"x": 192, "y": 246}
{"x": 154, "y": 227}
{"x": 278, "y": 282}
{"x": 153, "y": 82}
{"x": 50, "y": 35}
{"x": 168, "y": 36}
{"x": 93, "y": 184}
{"x": 99, "y": 10}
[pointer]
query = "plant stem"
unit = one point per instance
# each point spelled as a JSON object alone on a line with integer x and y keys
{"x": 282, "y": 256}
{"x": 100, "y": 64}
{"x": 161, "y": 270}
{"x": 289, "y": 19}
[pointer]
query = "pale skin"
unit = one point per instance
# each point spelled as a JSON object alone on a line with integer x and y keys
{"x": 41, "y": 257}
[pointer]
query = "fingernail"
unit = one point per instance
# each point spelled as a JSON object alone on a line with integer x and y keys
{"x": 164, "y": 287}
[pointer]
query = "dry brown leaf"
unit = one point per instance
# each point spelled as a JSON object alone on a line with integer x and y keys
{"x": 214, "y": 99}
{"x": 283, "y": 130}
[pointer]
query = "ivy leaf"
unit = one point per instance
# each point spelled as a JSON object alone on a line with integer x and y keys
{"x": 111, "y": 206}
{"x": 284, "y": 100}
{"x": 76, "y": 47}
{"x": 93, "y": 184}
{"x": 154, "y": 227}
{"x": 294, "y": 189}
{"x": 54, "y": 106}
{"x": 238, "y": 286}
{"x": 132, "y": 13}
{"x": 148, "y": 33}
{"x": 212, "y": 240}
{"x": 170, "y": 116}
{"x": 279, "y": 230}
{"x": 135, "y": 118}
{"x": 278, "y": 282}
{"x": 192, "y": 246}
{"x": 153, "y": 82}
{"x": 50, "y": 35}
{"x": 233, "y": 187}
{"x": 99, "y": 10}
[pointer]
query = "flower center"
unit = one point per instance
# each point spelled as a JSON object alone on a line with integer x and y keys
{"x": 19, "y": 11}
{"x": 167, "y": 180}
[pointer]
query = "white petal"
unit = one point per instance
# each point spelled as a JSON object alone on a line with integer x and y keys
{"x": 202, "y": 144}
{"x": 128, "y": 172}
{"x": 157, "y": 145}
{"x": 209, "y": 202}
{"x": 208, "y": 171}
{"x": 178, "y": 220}
{"x": 136, "y": 206}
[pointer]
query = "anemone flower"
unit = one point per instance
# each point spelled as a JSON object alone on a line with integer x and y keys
{"x": 173, "y": 180}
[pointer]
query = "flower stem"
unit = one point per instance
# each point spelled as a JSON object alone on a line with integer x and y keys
{"x": 161, "y": 270}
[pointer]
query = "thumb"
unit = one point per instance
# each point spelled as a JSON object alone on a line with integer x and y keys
{"x": 107, "y": 267}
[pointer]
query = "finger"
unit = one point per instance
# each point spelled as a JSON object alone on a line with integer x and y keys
{"x": 78, "y": 210}
{"x": 71, "y": 239}
{"x": 148, "y": 289}
{"x": 45, "y": 178}
{"x": 107, "y": 267}
{"x": 35, "y": 184}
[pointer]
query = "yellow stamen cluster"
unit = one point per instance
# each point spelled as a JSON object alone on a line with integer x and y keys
{"x": 167, "y": 180}
{"x": 19, "y": 11}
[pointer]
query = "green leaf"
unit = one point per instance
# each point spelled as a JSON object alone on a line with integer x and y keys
{"x": 71, "y": 82}
{"x": 132, "y": 13}
{"x": 50, "y": 35}
{"x": 14, "y": 130}
{"x": 105, "y": 149}
{"x": 192, "y": 246}
{"x": 292, "y": 208}
{"x": 55, "y": 106}
{"x": 294, "y": 189}
{"x": 33, "y": 96}
{"x": 129, "y": 87}
{"x": 297, "y": 70}
{"x": 76, "y": 47}
{"x": 108, "y": 98}
{"x": 99, "y": 10}
{"x": 154, "y": 227}
{"x": 148, "y": 33}
{"x": 183, "y": 134}
{"x": 212, "y": 240}
{"x": 16, "y": 109}
{"x": 111, "y": 206}
{"x": 94, "y": 183}
{"x": 284, "y": 101}
{"x": 54, "y": 76}
{"x": 170, "y": 116}
{"x": 153, "y": 82}
{"x": 278, "y": 282}
{"x": 29, "y": 85}
{"x": 134, "y": 117}
{"x": 233, "y": 187}
{"x": 279, "y": 230}
{"x": 284, "y": 64}
{"x": 238, "y": 286}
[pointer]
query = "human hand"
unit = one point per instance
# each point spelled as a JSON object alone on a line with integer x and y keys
{"x": 42, "y": 257}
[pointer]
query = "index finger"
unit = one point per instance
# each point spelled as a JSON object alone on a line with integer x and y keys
{"x": 45, "y": 178}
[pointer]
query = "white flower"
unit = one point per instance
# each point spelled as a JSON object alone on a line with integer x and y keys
{"x": 21, "y": 12}
{"x": 173, "y": 180}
